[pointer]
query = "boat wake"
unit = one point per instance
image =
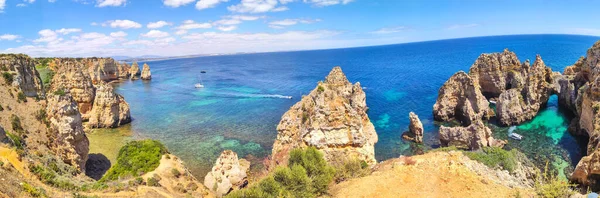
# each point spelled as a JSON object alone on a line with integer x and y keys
{"x": 258, "y": 95}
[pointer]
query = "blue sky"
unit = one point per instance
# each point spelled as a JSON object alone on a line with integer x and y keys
{"x": 186, "y": 27}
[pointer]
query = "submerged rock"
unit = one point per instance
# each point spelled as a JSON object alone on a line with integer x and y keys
{"x": 415, "y": 129}
{"x": 24, "y": 75}
{"x": 229, "y": 173}
{"x": 68, "y": 140}
{"x": 110, "y": 109}
{"x": 333, "y": 118}
{"x": 460, "y": 99}
{"x": 146, "y": 75}
{"x": 473, "y": 137}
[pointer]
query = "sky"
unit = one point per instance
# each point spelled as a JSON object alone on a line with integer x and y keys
{"x": 84, "y": 28}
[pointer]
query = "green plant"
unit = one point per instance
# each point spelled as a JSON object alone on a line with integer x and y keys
{"x": 21, "y": 97}
{"x": 15, "y": 122}
{"x": 136, "y": 158}
{"x": 1, "y": 108}
{"x": 153, "y": 181}
{"x": 175, "y": 172}
{"x": 548, "y": 185}
{"x": 444, "y": 149}
{"x": 33, "y": 191}
{"x": 307, "y": 175}
{"x": 351, "y": 168}
{"x": 60, "y": 92}
{"x": 8, "y": 77}
{"x": 320, "y": 88}
{"x": 494, "y": 156}
{"x": 15, "y": 140}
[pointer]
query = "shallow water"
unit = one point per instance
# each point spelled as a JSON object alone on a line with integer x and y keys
{"x": 240, "y": 106}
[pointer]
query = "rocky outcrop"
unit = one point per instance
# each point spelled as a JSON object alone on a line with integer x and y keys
{"x": 415, "y": 129}
{"x": 333, "y": 118}
{"x": 134, "y": 71}
{"x": 2, "y": 134}
{"x": 24, "y": 75}
{"x": 98, "y": 69}
{"x": 123, "y": 70}
{"x": 473, "y": 137}
{"x": 68, "y": 139}
{"x": 110, "y": 109}
{"x": 229, "y": 173}
{"x": 460, "y": 99}
{"x": 146, "y": 75}
{"x": 72, "y": 78}
{"x": 498, "y": 72}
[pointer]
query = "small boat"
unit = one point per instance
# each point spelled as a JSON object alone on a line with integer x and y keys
{"x": 493, "y": 102}
{"x": 288, "y": 97}
{"x": 515, "y": 136}
{"x": 203, "y": 71}
{"x": 198, "y": 85}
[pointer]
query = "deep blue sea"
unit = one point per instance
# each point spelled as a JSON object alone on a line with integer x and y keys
{"x": 239, "y": 108}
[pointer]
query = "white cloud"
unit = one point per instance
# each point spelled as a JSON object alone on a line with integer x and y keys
{"x": 118, "y": 34}
{"x": 156, "y": 42}
{"x": 177, "y": 3}
{"x": 236, "y": 19}
{"x": 47, "y": 35}
{"x": 390, "y": 30}
{"x": 66, "y": 31}
{"x": 123, "y": 24}
{"x": 257, "y": 6}
{"x": 2, "y": 5}
{"x": 51, "y": 1}
{"x": 93, "y": 24}
{"x": 155, "y": 34}
{"x": 104, "y": 3}
{"x": 204, "y": 4}
{"x": 9, "y": 37}
{"x": 29, "y": 1}
{"x": 323, "y": 3}
{"x": 189, "y": 25}
{"x": 227, "y": 28}
{"x": 286, "y": 1}
{"x": 21, "y": 5}
{"x": 455, "y": 27}
{"x": 158, "y": 24}
{"x": 288, "y": 22}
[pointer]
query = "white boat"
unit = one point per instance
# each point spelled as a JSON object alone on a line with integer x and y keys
{"x": 493, "y": 102}
{"x": 199, "y": 84}
{"x": 515, "y": 136}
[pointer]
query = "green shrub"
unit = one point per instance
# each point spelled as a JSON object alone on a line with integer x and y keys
{"x": 494, "y": 156}
{"x": 16, "y": 140}
{"x": 33, "y": 191}
{"x": 136, "y": 158}
{"x": 1, "y": 108}
{"x": 8, "y": 77}
{"x": 307, "y": 175}
{"x": 175, "y": 172}
{"x": 320, "y": 88}
{"x": 444, "y": 149}
{"x": 548, "y": 185}
{"x": 93, "y": 186}
{"x": 153, "y": 181}
{"x": 351, "y": 168}
{"x": 21, "y": 97}
{"x": 15, "y": 122}
{"x": 60, "y": 92}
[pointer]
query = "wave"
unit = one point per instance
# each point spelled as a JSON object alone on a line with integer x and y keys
{"x": 257, "y": 95}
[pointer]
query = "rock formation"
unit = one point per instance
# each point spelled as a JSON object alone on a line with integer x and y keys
{"x": 460, "y": 99}
{"x": 66, "y": 130}
{"x": 2, "y": 134}
{"x": 415, "y": 129}
{"x": 473, "y": 137}
{"x": 124, "y": 70}
{"x": 333, "y": 118}
{"x": 518, "y": 105}
{"x": 79, "y": 84}
{"x": 146, "y": 75}
{"x": 498, "y": 72}
{"x": 228, "y": 174}
{"x": 110, "y": 109}
{"x": 24, "y": 74}
{"x": 134, "y": 71}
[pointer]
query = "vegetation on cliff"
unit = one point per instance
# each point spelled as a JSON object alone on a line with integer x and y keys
{"x": 136, "y": 158}
{"x": 307, "y": 175}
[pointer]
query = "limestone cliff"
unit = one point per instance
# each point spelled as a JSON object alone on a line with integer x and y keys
{"x": 498, "y": 72}
{"x": 473, "y": 137}
{"x": 460, "y": 99}
{"x": 124, "y": 70}
{"x": 68, "y": 138}
{"x": 134, "y": 71}
{"x": 415, "y": 129}
{"x": 229, "y": 173}
{"x": 333, "y": 118}
{"x": 79, "y": 84}
{"x": 110, "y": 109}
{"x": 146, "y": 75}
{"x": 21, "y": 68}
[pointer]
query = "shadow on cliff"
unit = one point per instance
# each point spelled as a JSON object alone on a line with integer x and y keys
{"x": 96, "y": 165}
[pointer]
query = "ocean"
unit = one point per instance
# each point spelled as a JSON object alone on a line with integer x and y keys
{"x": 244, "y": 97}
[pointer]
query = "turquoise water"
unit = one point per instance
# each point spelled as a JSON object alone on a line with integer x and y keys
{"x": 241, "y": 105}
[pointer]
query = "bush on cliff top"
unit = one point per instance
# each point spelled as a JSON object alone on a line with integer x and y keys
{"x": 548, "y": 185}
{"x": 136, "y": 158}
{"x": 494, "y": 156}
{"x": 307, "y": 175}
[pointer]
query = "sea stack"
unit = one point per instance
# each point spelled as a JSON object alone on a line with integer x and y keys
{"x": 332, "y": 118}
{"x": 229, "y": 173}
{"x": 134, "y": 71}
{"x": 460, "y": 99}
{"x": 415, "y": 129}
{"x": 146, "y": 75}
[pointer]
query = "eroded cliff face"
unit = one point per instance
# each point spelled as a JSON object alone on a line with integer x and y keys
{"x": 86, "y": 80}
{"x": 134, "y": 71}
{"x": 460, "y": 99}
{"x": 415, "y": 129}
{"x": 473, "y": 137}
{"x": 498, "y": 72}
{"x": 24, "y": 76}
{"x": 66, "y": 130}
{"x": 228, "y": 173}
{"x": 333, "y": 118}
{"x": 146, "y": 74}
